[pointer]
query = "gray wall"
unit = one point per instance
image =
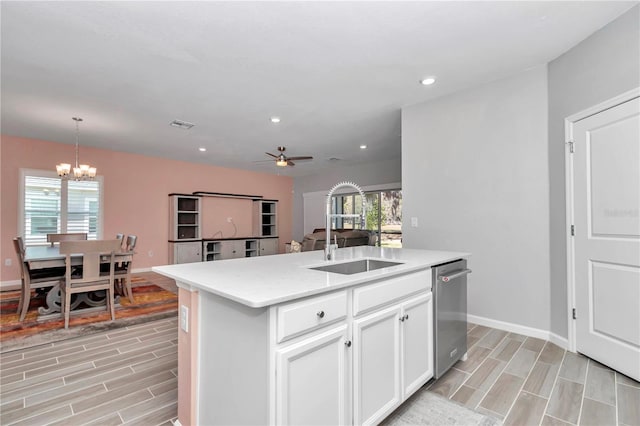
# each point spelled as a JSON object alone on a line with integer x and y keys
{"x": 388, "y": 171}
{"x": 602, "y": 66}
{"x": 474, "y": 173}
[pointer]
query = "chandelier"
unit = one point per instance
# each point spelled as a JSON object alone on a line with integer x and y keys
{"x": 80, "y": 172}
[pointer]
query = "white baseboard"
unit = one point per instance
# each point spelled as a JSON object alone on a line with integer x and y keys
{"x": 176, "y": 422}
{"x": 520, "y": 329}
{"x": 138, "y": 270}
{"x": 563, "y": 342}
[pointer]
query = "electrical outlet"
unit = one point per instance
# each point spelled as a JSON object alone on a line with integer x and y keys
{"x": 184, "y": 318}
{"x": 229, "y": 219}
{"x": 414, "y": 222}
{"x": 7, "y": 261}
{"x": 150, "y": 253}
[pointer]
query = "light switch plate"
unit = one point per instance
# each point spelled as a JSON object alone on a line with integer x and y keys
{"x": 414, "y": 222}
{"x": 184, "y": 318}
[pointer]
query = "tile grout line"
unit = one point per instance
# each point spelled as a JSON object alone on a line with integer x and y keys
{"x": 494, "y": 382}
{"x": 555, "y": 382}
{"x": 525, "y": 379}
{"x": 584, "y": 389}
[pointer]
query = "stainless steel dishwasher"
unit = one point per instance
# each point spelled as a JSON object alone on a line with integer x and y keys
{"x": 450, "y": 314}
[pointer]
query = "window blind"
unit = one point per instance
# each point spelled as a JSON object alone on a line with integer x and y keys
{"x": 52, "y": 205}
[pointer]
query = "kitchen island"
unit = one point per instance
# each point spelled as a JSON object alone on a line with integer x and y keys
{"x": 278, "y": 340}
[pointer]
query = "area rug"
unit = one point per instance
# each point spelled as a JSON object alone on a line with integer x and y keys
{"x": 151, "y": 302}
{"x": 426, "y": 408}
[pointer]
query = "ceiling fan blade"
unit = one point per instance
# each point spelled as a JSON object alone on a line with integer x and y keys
{"x": 270, "y": 154}
{"x": 300, "y": 158}
{"x": 290, "y": 163}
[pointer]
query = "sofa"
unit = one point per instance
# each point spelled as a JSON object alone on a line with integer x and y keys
{"x": 344, "y": 237}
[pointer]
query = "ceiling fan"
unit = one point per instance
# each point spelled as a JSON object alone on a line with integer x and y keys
{"x": 283, "y": 161}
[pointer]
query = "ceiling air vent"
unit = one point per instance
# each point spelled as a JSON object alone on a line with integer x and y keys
{"x": 182, "y": 124}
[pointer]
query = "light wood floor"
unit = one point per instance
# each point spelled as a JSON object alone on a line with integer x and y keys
{"x": 527, "y": 381}
{"x": 128, "y": 376}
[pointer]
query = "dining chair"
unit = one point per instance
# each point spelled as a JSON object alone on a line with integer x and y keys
{"x": 32, "y": 279}
{"x": 123, "y": 271}
{"x": 75, "y": 236}
{"x": 92, "y": 252}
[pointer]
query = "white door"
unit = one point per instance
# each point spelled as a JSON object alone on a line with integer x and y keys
{"x": 313, "y": 382}
{"x": 606, "y": 197}
{"x": 376, "y": 366}
{"x": 417, "y": 343}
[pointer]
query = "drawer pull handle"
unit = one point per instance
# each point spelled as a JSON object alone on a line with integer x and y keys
{"x": 348, "y": 343}
{"x": 404, "y": 318}
{"x": 320, "y": 314}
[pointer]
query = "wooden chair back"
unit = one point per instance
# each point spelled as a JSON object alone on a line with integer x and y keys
{"x": 92, "y": 251}
{"x": 120, "y": 237}
{"x": 131, "y": 242}
{"x": 18, "y": 245}
{"x": 57, "y": 238}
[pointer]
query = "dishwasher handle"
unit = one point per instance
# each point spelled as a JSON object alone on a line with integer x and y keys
{"x": 454, "y": 275}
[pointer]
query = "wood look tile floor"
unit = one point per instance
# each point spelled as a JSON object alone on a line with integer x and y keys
{"x": 129, "y": 376}
{"x": 526, "y": 381}
{"x": 124, "y": 376}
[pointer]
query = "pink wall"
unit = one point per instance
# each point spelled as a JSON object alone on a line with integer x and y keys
{"x": 137, "y": 203}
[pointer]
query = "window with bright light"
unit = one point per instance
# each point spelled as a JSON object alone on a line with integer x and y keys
{"x": 50, "y": 205}
{"x": 383, "y": 214}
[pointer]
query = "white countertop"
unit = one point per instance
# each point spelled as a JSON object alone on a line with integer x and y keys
{"x": 263, "y": 281}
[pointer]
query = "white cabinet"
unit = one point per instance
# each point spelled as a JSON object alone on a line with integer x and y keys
{"x": 314, "y": 360}
{"x": 232, "y": 249}
{"x": 313, "y": 385}
{"x": 268, "y": 246}
{"x": 393, "y": 357}
{"x": 417, "y": 343}
{"x": 186, "y": 252}
{"x": 376, "y": 365}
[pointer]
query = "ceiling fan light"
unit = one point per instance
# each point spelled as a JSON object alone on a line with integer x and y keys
{"x": 281, "y": 162}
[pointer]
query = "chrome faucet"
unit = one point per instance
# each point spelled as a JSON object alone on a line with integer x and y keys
{"x": 329, "y": 249}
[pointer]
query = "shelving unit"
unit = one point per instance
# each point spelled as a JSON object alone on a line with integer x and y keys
{"x": 250, "y": 248}
{"x": 185, "y": 217}
{"x": 185, "y": 240}
{"x": 265, "y": 218}
{"x": 184, "y": 229}
{"x": 211, "y": 250}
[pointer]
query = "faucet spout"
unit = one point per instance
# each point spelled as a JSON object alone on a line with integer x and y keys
{"x": 329, "y": 252}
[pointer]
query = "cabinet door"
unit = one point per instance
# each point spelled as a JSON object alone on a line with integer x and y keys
{"x": 187, "y": 252}
{"x": 376, "y": 365}
{"x": 232, "y": 249}
{"x": 313, "y": 380}
{"x": 268, "y": 246}
{"x": 417, "y": 343}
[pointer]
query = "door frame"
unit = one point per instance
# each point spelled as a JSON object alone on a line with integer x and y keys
{"x": 569, "y": 193}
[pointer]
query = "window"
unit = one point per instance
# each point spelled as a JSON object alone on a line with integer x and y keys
{"x": 50, "y": 205}
{"x": 383, "y": 214}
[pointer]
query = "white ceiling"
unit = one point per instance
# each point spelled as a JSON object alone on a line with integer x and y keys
{"x": 336, "y": 72}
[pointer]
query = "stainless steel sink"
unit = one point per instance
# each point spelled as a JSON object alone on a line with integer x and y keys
{"x": 356, "y": 266}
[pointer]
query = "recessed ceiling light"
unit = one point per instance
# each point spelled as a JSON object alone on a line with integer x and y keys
{"x": 275, "y": 119}
{"x": 181, "y": 124}
{"x": 428, "y": 81}
{"x": 202, "y": 149}
{"x": 363, "y": 147}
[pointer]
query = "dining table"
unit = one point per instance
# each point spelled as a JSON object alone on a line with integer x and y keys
{"x": 41, "y": 258}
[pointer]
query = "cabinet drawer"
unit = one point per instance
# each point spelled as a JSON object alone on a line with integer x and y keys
{"x": 299, "y": 317}
{"x": 372, "y": 296}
